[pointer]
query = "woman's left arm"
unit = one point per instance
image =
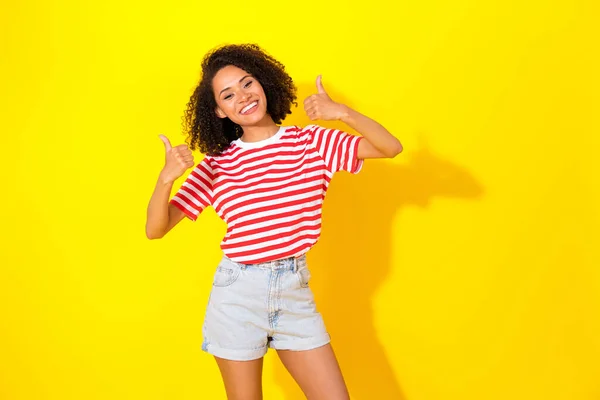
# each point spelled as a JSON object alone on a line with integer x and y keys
{"x": 378, "y": 142}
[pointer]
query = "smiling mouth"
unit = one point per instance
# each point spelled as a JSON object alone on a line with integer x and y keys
{"x": 249, "y": 108}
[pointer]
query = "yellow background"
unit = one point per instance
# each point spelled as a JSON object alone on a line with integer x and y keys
{"x": 466, "y": 268}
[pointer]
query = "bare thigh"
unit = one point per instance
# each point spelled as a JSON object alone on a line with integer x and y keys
{"x": 317, "y": 373}
{"x": 242, "y": 379}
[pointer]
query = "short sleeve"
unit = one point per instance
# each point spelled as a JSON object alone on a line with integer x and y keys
{"x": 195, "y": 194}
{"x": 338, "y": 148}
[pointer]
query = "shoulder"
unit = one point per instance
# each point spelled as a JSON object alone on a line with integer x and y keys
{"x": 225, "y": 156}
{"x": 307, "y": 132}
{"x": 312, "y": 128}
{"x": 303, "y": 129}
{"x": 295, "y": 135}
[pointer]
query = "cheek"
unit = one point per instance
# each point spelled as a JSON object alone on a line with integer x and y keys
{"x": 226, "y": 108}
{"x": 261, "y": 93}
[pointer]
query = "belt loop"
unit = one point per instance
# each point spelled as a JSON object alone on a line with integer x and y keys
{"x": 295, "y": 264}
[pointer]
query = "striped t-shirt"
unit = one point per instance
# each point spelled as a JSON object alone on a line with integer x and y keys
{"x": 270, "y": 193}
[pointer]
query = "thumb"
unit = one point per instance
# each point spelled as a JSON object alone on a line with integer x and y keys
{"x": 166, "y": 142}
{"x": 320, "y": 87}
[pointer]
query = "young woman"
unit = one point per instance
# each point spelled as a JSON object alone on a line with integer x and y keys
{"x": 267, "y": 182}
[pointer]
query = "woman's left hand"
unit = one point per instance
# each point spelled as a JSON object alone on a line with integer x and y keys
{"x": 320, "y": 105}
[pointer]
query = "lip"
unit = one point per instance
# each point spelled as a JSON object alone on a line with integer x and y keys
{"x": 251, "y": 110}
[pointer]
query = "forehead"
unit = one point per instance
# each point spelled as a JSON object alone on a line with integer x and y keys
{"x": 227, "y": 77}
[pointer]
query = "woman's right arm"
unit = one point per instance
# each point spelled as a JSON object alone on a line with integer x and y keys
{"x": 161, "y": 216}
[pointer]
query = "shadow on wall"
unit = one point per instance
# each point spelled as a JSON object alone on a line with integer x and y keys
{"x": 353, "y": 256}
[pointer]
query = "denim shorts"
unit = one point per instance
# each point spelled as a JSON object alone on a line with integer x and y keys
{"x": 256, "y": 306}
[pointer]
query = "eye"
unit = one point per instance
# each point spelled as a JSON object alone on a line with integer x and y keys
{"x": 247, "y": 84}
{"x": 228, "y": 97}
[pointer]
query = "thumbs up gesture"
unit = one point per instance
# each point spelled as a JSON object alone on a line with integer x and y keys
{"x": 320, "y": 105}
{"x": 178, "y": 159}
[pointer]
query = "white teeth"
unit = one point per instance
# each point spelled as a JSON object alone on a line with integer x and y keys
{"x": 249, "y": 106}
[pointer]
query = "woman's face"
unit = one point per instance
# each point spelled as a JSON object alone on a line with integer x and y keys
{"x": 240, "y": 97}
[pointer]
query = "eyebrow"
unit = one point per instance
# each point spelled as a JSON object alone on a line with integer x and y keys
{"x": 227, "y": 88}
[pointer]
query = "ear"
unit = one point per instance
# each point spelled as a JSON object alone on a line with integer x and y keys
{"x": 220, "y": 112}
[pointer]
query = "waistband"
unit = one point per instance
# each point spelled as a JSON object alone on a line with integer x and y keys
{"x": 282, "y": 263}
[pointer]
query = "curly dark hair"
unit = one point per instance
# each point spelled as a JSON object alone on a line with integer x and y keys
{"x": 211, "y": 134}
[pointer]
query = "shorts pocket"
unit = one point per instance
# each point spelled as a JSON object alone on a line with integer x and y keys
{"x": 226, "y": 274}
{"x": 303, "y": 275}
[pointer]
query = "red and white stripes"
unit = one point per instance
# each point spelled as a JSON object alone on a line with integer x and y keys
{"x": 270, "y": 193}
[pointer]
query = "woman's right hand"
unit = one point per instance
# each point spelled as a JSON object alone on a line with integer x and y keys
{"x": 178, "y": 159}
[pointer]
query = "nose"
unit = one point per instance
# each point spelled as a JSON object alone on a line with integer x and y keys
{"x": 244, "y": 96}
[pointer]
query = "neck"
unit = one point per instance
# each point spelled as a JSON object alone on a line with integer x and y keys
{"x": 260, "y": 131}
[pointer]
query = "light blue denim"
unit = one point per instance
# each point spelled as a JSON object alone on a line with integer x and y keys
{"x": 256, "y": 306}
